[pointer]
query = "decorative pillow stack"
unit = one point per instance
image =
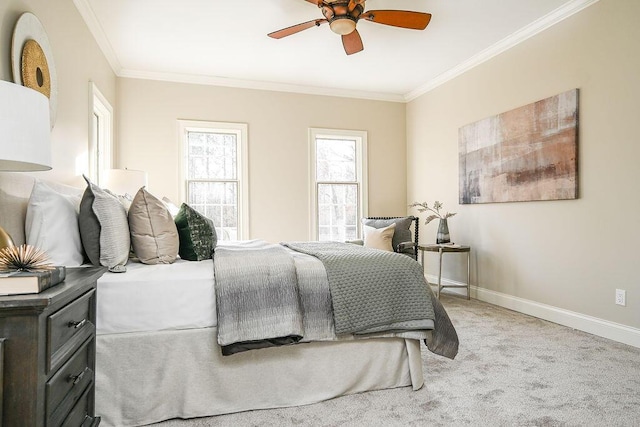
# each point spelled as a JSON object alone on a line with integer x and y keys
{"x": 198, "y": 237}
{"x": 51, "y": 224}
{"x": 153, "y": 233}
{"x": 104, "y": 228}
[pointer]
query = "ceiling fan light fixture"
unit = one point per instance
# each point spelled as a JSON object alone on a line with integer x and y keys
{"x": 342, "y": 25}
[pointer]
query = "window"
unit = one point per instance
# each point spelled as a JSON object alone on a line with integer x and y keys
{"x": 214, "y": 173}
{"x": 101, "y": 135}
{"x": 338, "y": 183}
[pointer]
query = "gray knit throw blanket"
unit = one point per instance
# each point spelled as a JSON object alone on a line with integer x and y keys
{"x": 378, "y": 291}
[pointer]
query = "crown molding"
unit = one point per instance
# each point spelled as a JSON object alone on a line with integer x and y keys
{"x": 95, "y": 28}
{"x": 503, "y": 45}
{"x": 259, "y": 85}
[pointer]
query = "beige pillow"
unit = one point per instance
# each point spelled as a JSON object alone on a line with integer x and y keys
{"x": 379, "y": 238}
{"x": 154, "y": 235}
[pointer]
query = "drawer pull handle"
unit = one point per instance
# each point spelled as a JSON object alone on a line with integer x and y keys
{"x": 76, "y": 378}
{"x": 76, "y": 325}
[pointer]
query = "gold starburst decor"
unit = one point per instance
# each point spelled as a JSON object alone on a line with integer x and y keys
{"x": 24, "y": 258}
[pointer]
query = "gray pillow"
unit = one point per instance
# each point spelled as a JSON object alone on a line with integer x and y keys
{"x": 104, "y": 228}
{"x": 402, "y": 234}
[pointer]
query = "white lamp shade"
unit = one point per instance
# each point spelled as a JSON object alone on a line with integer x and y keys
{"x": 25, "y": 133}
{"x": 124, "y": 181}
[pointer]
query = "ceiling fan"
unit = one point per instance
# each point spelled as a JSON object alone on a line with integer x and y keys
{"x": 343, "y": 15}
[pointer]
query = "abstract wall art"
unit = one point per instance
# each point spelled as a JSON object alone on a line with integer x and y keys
{"x": 529, "y": 153}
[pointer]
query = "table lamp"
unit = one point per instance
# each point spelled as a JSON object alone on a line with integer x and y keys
{"x": 124, "y": 181}
{"x": 25, "y": 135}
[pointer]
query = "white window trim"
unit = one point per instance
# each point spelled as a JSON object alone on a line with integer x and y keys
{"x": 242, "y": 129}
{"x": 361, "y": 172}
{"x": 100, "y": 157}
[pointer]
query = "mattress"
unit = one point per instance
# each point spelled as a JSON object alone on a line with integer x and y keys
{"x": 177, "y": 296}
{"x": 157, "y": 298}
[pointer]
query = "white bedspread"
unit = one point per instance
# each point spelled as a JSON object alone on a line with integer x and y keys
{"x": 157, "y": 297}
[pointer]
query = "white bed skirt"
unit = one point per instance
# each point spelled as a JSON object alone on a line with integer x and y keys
{"x": 143, "y": 378}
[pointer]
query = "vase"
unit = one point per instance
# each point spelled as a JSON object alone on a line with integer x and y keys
{"x": 443, "y": 232}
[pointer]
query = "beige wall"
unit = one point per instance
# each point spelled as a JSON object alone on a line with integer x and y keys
{"x": 78, "y": 60}
{"x": 567, "y": 254}
{"x": 278, "y": 145}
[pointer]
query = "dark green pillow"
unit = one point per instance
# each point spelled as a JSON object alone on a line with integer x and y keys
{"x": 197, "y": 234}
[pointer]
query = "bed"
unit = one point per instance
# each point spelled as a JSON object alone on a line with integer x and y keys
{"x": 157, "y": 351}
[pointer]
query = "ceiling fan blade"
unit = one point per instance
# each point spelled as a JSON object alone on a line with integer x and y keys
{"x": 296, "y": 28}
{"x": 398, "y": 18}
{"x": 352, "y": 42}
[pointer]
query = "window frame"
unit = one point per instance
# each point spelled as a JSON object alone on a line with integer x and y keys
{"x": 100, "y": 135}
{"x": 242, "y": 165}
{"x": 360, "y": 138}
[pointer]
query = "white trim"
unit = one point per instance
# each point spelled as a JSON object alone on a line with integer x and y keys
{"x": 593, "y": 325}
{"x": 537, "y": 26}
{"x": 89, "y": 17}
{"x": 260, "y": 85}
{"x": 100, "y": 106}
{"x": 243, "y": 131}
{"x": 360, "y": 137}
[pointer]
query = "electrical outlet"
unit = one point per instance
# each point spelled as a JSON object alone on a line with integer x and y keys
{"x": 621, "y": 297}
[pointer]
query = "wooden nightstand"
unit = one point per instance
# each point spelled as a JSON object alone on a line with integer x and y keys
{"x": 443, "y": 249}
{"x": 48, "y": 350}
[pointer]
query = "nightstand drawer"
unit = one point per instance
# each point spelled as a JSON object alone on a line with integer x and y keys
{"x": 79, "y": 415}
{"x": 66, "y": 385}
{"x": 68, "y": 328}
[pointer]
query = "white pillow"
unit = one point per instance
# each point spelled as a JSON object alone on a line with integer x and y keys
{"x": 379, "y": 238}
{"x": 173, "y": 209}
{"x": 51, "y": 224}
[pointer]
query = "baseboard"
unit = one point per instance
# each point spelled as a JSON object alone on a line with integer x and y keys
{"x": 582, "y": 322}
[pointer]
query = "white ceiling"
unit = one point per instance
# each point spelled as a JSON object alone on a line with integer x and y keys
{"x": 225, "y": 42}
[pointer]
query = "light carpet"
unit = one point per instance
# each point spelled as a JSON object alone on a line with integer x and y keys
{"x": 511, "y": 370}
